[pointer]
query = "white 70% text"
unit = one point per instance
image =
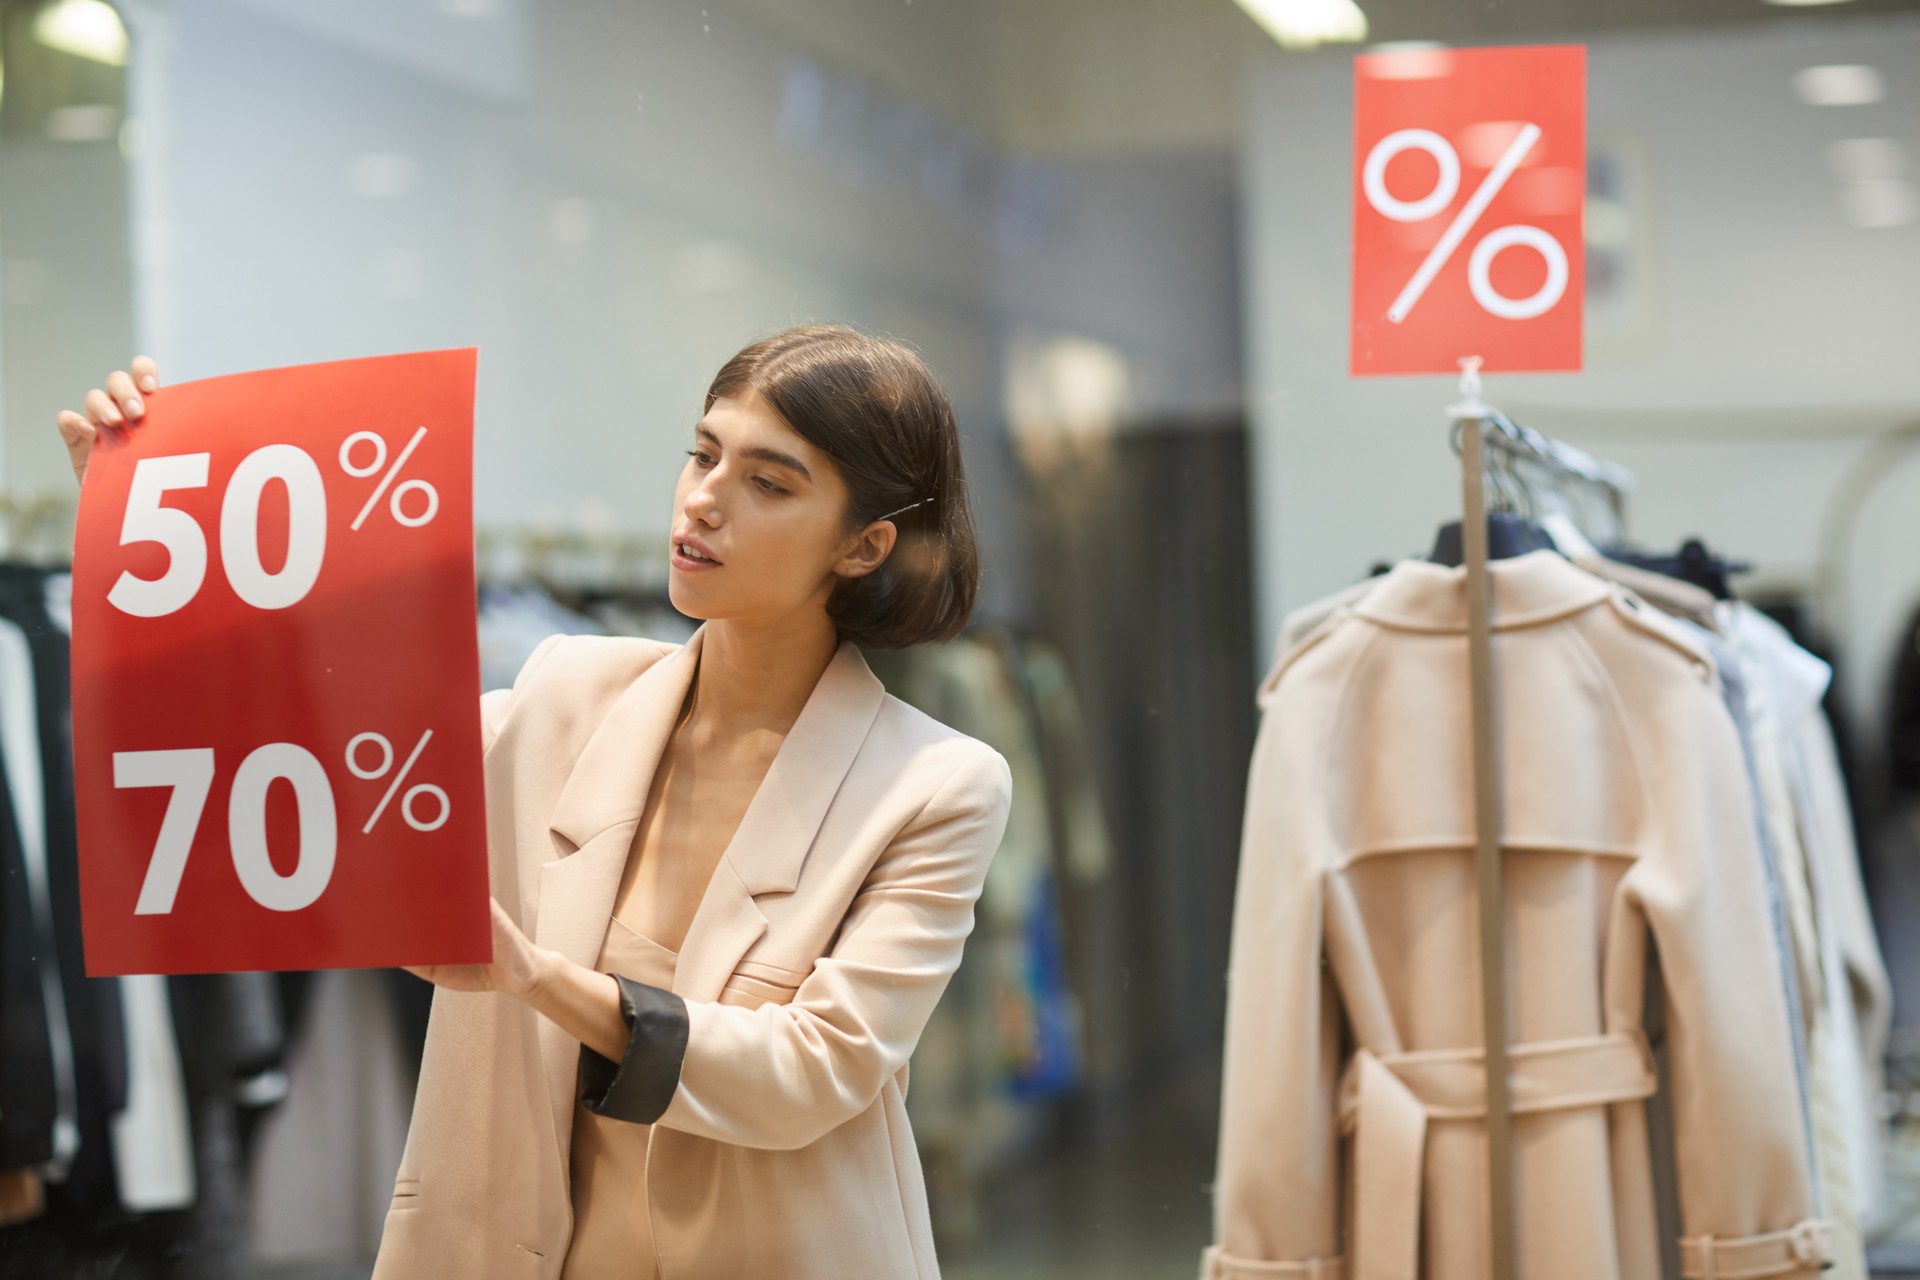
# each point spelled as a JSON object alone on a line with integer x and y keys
{"x": 189, "y": 774}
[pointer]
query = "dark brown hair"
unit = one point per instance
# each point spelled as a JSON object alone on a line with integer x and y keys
{"x": 873, "y": 406}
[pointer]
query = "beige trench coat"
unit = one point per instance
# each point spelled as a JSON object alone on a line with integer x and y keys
{"x": 824, "y": 939}
{"x": 1352, "y": 1131}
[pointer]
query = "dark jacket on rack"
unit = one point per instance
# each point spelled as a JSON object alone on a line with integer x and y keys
{"x": 92, "y": 1005}
{"x": 27, "y": 1100}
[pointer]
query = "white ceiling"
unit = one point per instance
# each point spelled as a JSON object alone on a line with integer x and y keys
{"x": 1050, "y": 77}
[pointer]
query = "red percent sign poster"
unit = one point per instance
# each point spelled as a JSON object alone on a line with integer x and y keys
{"x": 1469, "y": 188}
{"x": 276, "y": 676}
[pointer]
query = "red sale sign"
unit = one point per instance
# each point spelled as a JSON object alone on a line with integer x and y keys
{"x": 1469, "y": 190}
{"x": 276, "y": 677}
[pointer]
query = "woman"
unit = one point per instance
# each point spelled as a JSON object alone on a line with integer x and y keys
{"x": 775, "y": 861}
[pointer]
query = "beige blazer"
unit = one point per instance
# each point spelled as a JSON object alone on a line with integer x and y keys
{"x": 825, "y": 937}
{"x": 1352, "y": 1130}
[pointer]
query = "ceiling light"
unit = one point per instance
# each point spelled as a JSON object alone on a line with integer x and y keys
{"x": 1303, "y": 24}
{"x": 1839, "y": 86}
{"x": 1889, "y": 202}
{"x": 1804, "y": 4}
{"x": 1867, "y": 159}
{"x": 84, "y": 28}
{"x": 85, "y": 122}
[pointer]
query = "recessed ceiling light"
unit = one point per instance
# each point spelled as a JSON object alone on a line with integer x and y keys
{"x": 1890, "y": 202}
{"x": 1303, "y": 24}
{"x": 91, "y": 122}
{"x": 1867, "y": 159}
{"x": 1804, "y": 4}
{"x": 84, "y": 28}
{"x": 1849, "y": 85}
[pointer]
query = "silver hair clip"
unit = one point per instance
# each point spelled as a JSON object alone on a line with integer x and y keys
{"x": 910, "y": 506}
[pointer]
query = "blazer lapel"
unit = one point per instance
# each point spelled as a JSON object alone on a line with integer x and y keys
{"x": 597, "y": 813}
{"x": 600, "y": 807}
{"x": 771, "y": 843}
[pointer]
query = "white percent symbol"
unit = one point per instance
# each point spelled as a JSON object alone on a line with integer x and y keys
{"x": 394, "y": 505}
{"x": 385, "y": 767}
{"x": 1373, "y": 180}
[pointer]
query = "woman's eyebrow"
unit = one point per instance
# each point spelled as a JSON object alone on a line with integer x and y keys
{"x": 764, "y": 454}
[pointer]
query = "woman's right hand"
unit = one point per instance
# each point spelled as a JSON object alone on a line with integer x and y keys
{"x": 114, "y": 409}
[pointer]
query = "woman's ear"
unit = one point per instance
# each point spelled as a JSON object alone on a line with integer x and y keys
{"x": 870, "y": 549}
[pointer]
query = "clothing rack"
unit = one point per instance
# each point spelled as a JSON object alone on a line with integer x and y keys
{"x": 1513, "y": 453}
{"x": 1480, "y": 431}
{"x": 1505, "y": 434}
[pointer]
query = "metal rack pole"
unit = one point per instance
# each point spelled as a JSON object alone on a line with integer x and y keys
{"x": 1472, "y": 416}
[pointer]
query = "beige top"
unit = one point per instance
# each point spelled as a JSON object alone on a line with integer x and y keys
{"x": 612, "y": 1230}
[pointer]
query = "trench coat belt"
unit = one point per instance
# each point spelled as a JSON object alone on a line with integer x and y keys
{"x": 1805, "y": 1247}
{"x": 1387, "y": 1100}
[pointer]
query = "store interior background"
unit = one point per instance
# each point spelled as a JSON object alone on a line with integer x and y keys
{"x": 1119, "y": 233}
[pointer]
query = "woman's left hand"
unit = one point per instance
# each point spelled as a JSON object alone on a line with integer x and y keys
{"x": 514, "y": 971}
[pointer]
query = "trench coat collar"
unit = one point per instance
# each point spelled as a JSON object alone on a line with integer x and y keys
{"x": 1528, "y": 591}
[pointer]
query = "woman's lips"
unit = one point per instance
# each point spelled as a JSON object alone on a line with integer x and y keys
{"x": 695, "y": 563}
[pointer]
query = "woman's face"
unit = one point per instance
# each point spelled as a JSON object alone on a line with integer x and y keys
{"x": 759, "y": 530}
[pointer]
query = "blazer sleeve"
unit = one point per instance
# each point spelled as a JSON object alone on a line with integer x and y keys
{"x": 782, "y": 1076}
{"x": 1740, "y": 1128}
{"x": 496, "y": 703}
{"x": 1276, "y": 1191}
